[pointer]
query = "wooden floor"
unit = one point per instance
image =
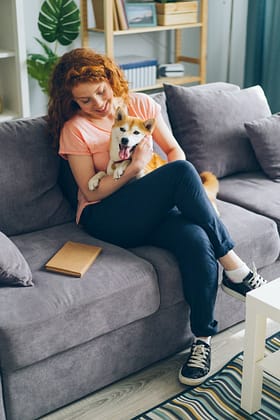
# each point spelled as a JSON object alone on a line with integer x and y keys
{"x": 139, "y": 392}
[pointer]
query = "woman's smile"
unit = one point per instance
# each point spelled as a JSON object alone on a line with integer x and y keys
{"x": 94, "y": 99}
{"x": 104, "y": 109}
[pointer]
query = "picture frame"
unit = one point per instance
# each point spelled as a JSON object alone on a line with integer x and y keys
{"x": 141, "y": 14}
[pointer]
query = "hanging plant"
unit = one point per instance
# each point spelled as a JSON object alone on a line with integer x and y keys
{"x": 59, "y": 22}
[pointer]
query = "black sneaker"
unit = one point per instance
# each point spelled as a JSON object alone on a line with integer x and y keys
{"x": 239, "y": 290}
{"x": 197, "y": 366}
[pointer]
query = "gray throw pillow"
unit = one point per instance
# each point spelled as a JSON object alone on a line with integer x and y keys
{"x": 160, "y": 97}
{"x": 209, "y": 126}
{"x": 264, "y": 135}
{"x": 14, "y": 269}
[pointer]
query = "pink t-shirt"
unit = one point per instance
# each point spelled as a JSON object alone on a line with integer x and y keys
{"x": 79, "y": 136}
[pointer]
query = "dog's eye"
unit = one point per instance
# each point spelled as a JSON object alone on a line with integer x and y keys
{"x": 136, "y": 132}
{"x": 122, "y": 129}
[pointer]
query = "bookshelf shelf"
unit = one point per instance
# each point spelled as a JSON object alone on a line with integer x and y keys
{"x": 110, "y": 34}
{"x": 14, "y": 92}
{"x": 6, "y": 54}
{"x": 149, "y": 29}
{"x": 172, "y": 80}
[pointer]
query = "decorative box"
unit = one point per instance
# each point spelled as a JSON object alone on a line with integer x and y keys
{"x": 177, "y": 13}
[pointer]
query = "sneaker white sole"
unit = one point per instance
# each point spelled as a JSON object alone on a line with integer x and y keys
{"x": 190, "y": 381}
{"x": 233, "y": 293}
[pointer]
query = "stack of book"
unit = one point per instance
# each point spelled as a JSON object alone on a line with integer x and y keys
{"x": 139, "y": 71}
{"x": 119, "y": 14}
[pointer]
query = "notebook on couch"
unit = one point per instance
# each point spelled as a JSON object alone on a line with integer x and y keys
{"x": 73, "y": 258}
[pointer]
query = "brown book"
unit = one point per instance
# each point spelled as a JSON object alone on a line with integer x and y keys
{"x": 98, "y": 10}
{"x": 115, "y": 17}
{"x": 73, "y": 258}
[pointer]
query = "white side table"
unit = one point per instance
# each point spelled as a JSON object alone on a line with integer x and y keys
{"x": 261, "y": 304}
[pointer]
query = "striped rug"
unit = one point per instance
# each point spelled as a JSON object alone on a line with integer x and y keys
{"x": 219, "y": 396}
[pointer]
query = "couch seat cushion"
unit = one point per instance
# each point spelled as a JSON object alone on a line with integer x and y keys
{"x": 253, "y": 191}
{"x": 169, "y": 276}
{"x": 61, "y": 312}
{"x": 256, "y": 237}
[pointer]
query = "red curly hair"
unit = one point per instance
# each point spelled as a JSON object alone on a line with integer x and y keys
{"x": 78, "y": 66}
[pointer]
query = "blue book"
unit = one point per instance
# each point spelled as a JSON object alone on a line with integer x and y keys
{"x": 134, "y": 61}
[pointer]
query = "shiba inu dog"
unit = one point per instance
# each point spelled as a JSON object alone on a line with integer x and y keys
{"x": 127, "y": 132}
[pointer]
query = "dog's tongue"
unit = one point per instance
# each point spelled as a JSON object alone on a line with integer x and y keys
{"x": 124, "y": 153}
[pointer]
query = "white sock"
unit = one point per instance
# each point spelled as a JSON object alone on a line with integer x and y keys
{"x": 205, "y": 339}
{"x": 238, "y": 274}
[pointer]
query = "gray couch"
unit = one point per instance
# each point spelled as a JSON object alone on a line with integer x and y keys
{"x": 65, "y": 337}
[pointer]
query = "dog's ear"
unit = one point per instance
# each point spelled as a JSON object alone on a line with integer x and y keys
{"x": 120, "y": 114}
{"x": 150, "y": 124}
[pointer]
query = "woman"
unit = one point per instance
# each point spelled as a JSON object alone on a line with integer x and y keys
{"x": 167, "y": 208}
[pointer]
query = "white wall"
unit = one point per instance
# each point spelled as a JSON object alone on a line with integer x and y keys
{"x": 226, "y": 40}
{"x": 226, "y": 44}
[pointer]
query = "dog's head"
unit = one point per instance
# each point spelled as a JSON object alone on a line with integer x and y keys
{"x": 127, "y": 132}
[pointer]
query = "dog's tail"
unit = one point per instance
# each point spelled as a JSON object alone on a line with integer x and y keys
{"x": 211, "y": 183}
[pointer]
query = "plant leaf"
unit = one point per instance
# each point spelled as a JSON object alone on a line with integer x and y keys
{"x": 40, "y": 72}
{"x": 46, "y": 48}
{"x": 59, "y": 20}
{"x": 40, "y": 66}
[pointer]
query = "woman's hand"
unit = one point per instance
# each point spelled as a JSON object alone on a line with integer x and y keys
{"x": 142, "y": 154}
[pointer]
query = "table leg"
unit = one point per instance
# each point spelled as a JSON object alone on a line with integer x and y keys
{"x": 254, "y": 348}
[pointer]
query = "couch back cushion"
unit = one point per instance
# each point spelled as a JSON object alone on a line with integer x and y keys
{"x": 264, "y": 135}
{"x": 29, "y": 167}
{"x": 160, "y": 98}
{"x": 209, "y": 125}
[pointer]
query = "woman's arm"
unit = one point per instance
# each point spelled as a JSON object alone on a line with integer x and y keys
{"x": 167, "y": 142}
{"x": 82, "y": 169}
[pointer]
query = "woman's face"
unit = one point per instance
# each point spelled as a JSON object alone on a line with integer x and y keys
{"x": 94, "y": 99}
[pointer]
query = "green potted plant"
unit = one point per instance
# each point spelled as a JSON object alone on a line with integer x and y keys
{"x": 58, "y": 22}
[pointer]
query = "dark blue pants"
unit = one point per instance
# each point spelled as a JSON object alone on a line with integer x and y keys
{"x": 169, "y": 208}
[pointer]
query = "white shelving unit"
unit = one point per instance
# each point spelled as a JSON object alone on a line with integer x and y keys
{"x": 13, "y": 72}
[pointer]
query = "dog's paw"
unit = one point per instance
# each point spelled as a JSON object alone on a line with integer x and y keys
{"x": 118, "y": 172}
{"x": 120, "y": 169}
{"x": 94, "y": 181}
